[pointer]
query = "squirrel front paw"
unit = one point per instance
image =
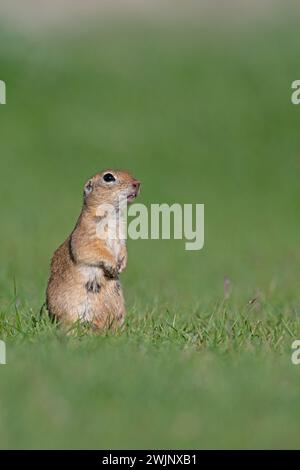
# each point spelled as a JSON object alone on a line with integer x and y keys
{"x": 121, "y": 264}
{"x": 110, "y": 271}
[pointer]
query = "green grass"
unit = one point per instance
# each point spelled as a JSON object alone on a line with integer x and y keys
{"x": 198, "y": 116}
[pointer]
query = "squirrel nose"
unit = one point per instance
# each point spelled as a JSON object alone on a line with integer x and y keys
{"x": 136, "y": 184}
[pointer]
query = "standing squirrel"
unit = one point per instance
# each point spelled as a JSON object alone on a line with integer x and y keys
{"x": 84, "y": 281}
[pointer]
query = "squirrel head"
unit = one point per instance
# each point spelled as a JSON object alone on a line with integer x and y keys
{"x": 113, "y": 187}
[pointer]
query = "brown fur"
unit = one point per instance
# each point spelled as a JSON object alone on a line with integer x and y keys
{"x": 84, "y": 281}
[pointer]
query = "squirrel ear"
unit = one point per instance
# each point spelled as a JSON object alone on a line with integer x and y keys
{"x": 88, "y": 188}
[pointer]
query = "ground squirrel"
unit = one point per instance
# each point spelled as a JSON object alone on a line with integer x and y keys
{"x": 84, "y": 281}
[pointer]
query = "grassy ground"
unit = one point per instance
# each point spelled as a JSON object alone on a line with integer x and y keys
{"x": 198, "y": 116}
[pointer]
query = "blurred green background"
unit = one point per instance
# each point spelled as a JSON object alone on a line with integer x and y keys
{"x": 200, "y": 111}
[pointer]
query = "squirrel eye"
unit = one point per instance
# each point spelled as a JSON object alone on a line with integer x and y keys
{"x": 108, "y": 177}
